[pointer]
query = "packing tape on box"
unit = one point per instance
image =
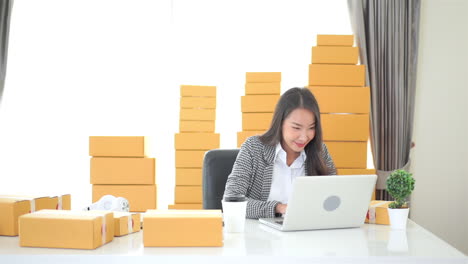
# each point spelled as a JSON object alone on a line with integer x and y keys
{"x": 372, "y": 211}
{"x": 32, "y": 201}
{"x": 103, "y": 229}
{"x": 130, "y": 224}
{"x": 60, "y": 203}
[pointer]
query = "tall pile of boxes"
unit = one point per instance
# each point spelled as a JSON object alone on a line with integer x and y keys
{"x": 120, "y": 167}
{"x": 196, "y": 136}
{"x": 339, "y": 87}
{"x": 262, "y": 91}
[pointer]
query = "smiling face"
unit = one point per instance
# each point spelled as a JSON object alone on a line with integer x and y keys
{"x": 298, "y": 130}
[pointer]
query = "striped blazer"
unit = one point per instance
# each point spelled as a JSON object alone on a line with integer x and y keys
{"x": 252, "y": 175}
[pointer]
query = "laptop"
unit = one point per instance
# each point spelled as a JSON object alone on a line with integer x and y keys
{"x": 326, "y": 202}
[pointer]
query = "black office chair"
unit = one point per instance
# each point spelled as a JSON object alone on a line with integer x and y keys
{"x": 217, "y": 165}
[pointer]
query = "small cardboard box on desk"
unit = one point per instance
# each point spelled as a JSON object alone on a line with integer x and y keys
{"x": 66, "y": 229}
{"x": 183, "y": 228}
{"x": 126, "y": 223}
{"x": 377, "y": 213}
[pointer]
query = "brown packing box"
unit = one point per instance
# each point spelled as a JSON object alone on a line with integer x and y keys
{"x": 196, "y": 141}
{"x": 197, "y": 90}
{"x": 10, "y": 210}
{"x": 335, "y": 40}
{"x": 140, "y": 197}
{"x": 184, "y": 228}
{"x": 45, "y": 202}
{"x": 66, "y": 229}
{"x": 118, "y": 146}
{"x": 356, "y": 171}
{"x": 262, "y": 77}
{"x": 197, "y": 126}
{"x": 64, "y": 202}
{"x": 186, "y": 176}
{"x": 335, "y": 55}
{"x": 243, "y": 135}
{"x": 345, "y": 127}
{"x": 198, "y": 102}
{"x": 122, "y": 170}
{"x": 347, "y": 154}
{"x": 197, "y": 114}
{"x": 126, "y": 223}
{"x": 259, "y": 103}
{"x": 256, "y": 121}
{"x": 342, "y": 99}
{"x": 263, "y": 88}
{"x": 336, "y": 75}
{"x": 377, "y": 213}
{"x": 188, "y": 194}
{"x": 185, "y": 206}
{"x": 189, "y": 158}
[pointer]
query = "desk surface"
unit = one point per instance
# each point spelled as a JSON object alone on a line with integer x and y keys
{"x": 416, "y": 245}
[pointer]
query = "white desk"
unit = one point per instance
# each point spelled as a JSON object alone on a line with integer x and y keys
{"x": 261, "y": 244}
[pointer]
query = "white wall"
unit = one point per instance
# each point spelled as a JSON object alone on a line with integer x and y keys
{"x": 78, "y": 68}
{"x": 440, "y": 158}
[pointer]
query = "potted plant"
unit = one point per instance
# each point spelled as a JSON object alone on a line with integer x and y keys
{"x": 400, "y": 184}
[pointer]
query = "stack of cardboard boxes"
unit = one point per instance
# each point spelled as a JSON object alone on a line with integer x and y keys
{"x": 197, "y": 127}
{"x": 120, "y": 167}
{"x": 262, "y": 91}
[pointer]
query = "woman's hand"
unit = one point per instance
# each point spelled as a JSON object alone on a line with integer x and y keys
{"x": 281, "y": 208}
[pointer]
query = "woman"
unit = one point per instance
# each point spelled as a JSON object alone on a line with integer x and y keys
{"x": 266, "y": 165}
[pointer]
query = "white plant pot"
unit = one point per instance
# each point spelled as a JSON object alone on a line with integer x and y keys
{"x": 398, "y": 217}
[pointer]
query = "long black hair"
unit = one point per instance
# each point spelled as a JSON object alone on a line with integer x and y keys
{"x": 293, "y": 99}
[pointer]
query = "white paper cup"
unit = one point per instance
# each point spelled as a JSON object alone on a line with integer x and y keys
{"x": 234, "y": 214}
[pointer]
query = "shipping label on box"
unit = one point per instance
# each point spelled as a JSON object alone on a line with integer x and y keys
{"x": 259, "y": 103}
{"x": 184, "y": 228}
{"x": 335, "y": 40}
{"x": 196, "y": 141}
{"x": 336, "y": 75}
{"x": 197, "y": 90}
{"x": 335, "y": 55}
{"x": 335, "y": 99}
{"x": 263, "y": 88}
{"x": 140, "y": 197}
{"x": 123, "y": 146}
{"x": 126, "y": 223}
{"x": 377, "y": 213}
{"x": 123, "y": 170}
{"x": 262, "y": 77}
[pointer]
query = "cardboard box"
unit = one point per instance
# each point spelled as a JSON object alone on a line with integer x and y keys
{"x": 197, "y": 90}
{"x": 118, "y": 146}
{"x": 44, "y": 202}
{"x": 189, "y": 158}
{"x": 126, "y": 223}
{"x": 188, "y": 194}
{"x": 346, "y": 154}
{"x": 196, "y": 141}
{"x": 262, "y": 77}
{"x": 256, "y": 121}
{"x": 197, "y": 126}
{"x": 263, "y": 88}
{"x": 195, "y": 228}
{"x": 377, "y": 213}
{"x": 336, "y": 75}
{"x": 10, "y": 209}
{"x": 63, "y": 202}
{"x": 243, "y": 135}
{"x": 345, "y": 127}
{"x": 140, "y": 197}
{"x": 335, "y": 55}
{"x": 356, "y": 171}
{"x": 259, "y": 103}
{"x": 197, "y": 114}
{"x": 198, "y": 102}
{"x": 186, "y": 206}
{"x": 123, "y": 170}
{"x": 186, "y": 176}
{"x": 66, "y": 229}
{"x": 342, "y": 99}
{"x": 335, "y": 40}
